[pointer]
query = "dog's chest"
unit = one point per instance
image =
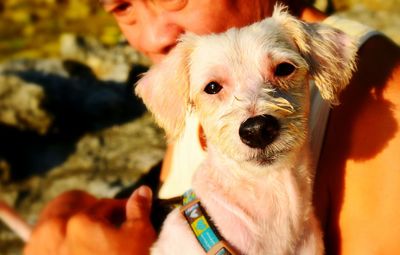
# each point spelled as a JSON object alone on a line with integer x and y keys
{"x": 260, "y": 216}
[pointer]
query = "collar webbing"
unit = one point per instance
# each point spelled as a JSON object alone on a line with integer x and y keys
{"x": 202, "y": 226}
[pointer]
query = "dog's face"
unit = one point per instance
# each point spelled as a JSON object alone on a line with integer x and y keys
{"x": 249, "y": 87}
{"x": 250, "y": 92}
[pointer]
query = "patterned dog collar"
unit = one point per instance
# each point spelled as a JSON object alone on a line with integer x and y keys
{"x": 202, "y": 226}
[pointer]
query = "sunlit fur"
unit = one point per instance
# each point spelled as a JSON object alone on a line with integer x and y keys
{"x": 260, "y": 199}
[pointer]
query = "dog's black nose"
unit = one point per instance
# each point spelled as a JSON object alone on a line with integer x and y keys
{"x": 259, "y": 131}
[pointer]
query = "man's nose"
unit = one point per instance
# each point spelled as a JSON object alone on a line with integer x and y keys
{"x": 159, "y": 36}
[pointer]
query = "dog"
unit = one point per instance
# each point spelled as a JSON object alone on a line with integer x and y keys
{"x": 249, "y": 88}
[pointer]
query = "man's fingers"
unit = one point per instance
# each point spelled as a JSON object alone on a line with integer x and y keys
{"x": 67, "y": 204}
{"x": 138, "y": 205}
{"x": 47, "y": 238}
{"x": 86, "y": 235}
{"x": 109, "y": 211}
{"x": 89, "y": 235}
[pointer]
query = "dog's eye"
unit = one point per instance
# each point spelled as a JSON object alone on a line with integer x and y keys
{"x": 213, "y": 88}
{"x": 284, "y": 69}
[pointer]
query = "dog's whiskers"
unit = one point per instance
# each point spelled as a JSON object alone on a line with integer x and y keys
{"x": 237, "y": 98}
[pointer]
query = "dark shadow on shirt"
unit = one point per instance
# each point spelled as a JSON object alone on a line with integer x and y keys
{"x": 362, "y": 105}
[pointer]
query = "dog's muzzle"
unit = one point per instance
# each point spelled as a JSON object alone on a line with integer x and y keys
{"x": 259, "y": 131}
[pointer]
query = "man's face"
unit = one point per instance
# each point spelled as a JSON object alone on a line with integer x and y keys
{"x": 153, "y": 26}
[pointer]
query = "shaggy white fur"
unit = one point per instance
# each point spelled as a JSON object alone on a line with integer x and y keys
{"x": 257, "y": 190}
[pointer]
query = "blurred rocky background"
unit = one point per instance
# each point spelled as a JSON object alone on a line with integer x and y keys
{"x": 68, "y": 117}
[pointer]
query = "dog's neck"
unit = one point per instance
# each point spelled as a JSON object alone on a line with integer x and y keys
{"x": 251, "y": 195}
{"x": 222, "y": 165}
{"x": 245, "y": 181}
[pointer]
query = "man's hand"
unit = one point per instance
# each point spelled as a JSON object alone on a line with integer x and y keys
{"x": 76, "y": 223}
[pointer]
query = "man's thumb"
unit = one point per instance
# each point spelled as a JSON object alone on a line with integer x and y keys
{"x": 138, "y": 205}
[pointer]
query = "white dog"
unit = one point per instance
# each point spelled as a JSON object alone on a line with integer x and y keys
{"x": 249, "y": 88}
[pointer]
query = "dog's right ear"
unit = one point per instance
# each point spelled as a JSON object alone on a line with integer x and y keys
{"x": 165, "y": 88}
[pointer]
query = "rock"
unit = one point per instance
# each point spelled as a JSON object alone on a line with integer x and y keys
{"x": 108, "y": 63}
{"x": 21, "y": 105}
{"x": 102, "y": 163}
{"x": 62, "y": 101}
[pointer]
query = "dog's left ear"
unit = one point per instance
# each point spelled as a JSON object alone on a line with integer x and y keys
{"x": 165, "y": 89}
{"x": 330, "y": 53}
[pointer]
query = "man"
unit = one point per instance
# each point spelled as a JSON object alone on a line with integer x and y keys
{"x": 356, "y": 189}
